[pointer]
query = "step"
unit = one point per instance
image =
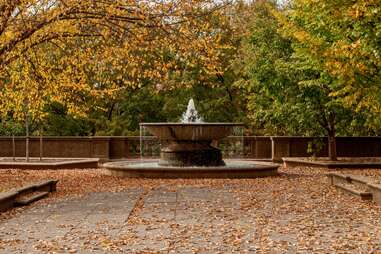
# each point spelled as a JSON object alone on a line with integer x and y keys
{"x": 26, "y": 200}
{"x": 48, "y": 185}
{"x": 7, "y": 200}
{"x": 340, "y": 178}
{"x": 375, "y": 189}
{"x": 349, "y": 188}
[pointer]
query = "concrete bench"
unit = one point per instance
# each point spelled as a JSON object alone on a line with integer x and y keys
{"x": 7, "y": 200}
{"x": 352, "y": 183}
{"x": 26, "y": 194}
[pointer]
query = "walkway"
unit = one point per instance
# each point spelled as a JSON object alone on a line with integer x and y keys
{"x": 241, "y": 218}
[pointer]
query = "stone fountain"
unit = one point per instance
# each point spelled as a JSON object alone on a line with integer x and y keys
{"x": 187, "y": 152}
{"x": 189, "y": 143}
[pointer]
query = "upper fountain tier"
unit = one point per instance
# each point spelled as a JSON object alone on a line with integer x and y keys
{"x": 191, "y": 128}
{"x": 190, "y": 131}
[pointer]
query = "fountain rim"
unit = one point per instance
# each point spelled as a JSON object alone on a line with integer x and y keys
{"x": 192, "y": 124}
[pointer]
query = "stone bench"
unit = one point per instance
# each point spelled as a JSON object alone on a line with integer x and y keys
{"x": 26, "y": 194}
{"x": 375, "y": 189}
{"x": 7, "y": 200}
{"x": 360, "y": 186}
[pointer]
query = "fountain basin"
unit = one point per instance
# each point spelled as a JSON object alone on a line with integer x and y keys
{"x": 152, "y": 169}
{"x": 190, "y": 144}
{"x": 190, "y": 131}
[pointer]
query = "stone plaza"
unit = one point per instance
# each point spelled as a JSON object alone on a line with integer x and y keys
{"x": 295, "y": 212}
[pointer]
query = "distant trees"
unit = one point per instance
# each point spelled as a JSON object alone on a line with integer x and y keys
{"x": 289, "y": 80}
{"x": 343, "y": 39}
{"x": 340, "y": 39}
{"x": 99, "y": 67}
{"x": 77, "y": 52}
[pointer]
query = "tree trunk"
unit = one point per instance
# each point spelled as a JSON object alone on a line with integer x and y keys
{"x": 27, "y": 134}
{"x": 13, "y": 147}
{"x": 41, "y": 147}
{"x": 332, "y": 153}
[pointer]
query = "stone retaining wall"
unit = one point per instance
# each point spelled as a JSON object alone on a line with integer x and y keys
{"x": 255, "y": 147}
{"x": 346, "y": 147}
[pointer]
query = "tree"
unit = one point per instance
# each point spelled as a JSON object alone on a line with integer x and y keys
{"x": 198, "y": 68}
{"x": 62, "y": 43}
{"x": 50, "y": 50}
{"x": 342, "y": 38}
{"x": 287, "y": 92}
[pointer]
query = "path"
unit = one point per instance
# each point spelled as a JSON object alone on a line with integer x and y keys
{"x": 194, "y": 219}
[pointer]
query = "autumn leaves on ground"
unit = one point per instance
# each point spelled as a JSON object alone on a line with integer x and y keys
{"x": 297, "y": 206}
{"x": 77, "y": 182}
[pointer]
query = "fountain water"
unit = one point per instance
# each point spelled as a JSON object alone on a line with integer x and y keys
{"x": 191, "y": 115}
{"x": 187, "y": 152}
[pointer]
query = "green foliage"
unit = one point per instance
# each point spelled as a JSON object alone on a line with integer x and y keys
{"x": 315, "y": 146}
{"x": 59, "y": 123}
{"x": 288, "y": 93}
{"x": 147, "y": 104}
{"x": 9, "y": 127}
{"x": 343, "y": 40}
{"x": 309, "y": 68}
{"x": 122, "y": 116}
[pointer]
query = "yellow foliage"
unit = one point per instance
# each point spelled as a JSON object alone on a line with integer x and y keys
{"x": 341, "y": 39}
{"x": 74, "y": 50}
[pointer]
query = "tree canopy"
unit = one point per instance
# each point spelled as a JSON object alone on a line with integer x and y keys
{"x": 101, "y": 67}
{"x": 71, "y": 51}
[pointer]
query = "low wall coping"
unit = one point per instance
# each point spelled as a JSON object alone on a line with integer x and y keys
{"x": 375, "y": 185}
{"x": 137, "y": 137}
{"x": 8, "y": 195}
{"x": 60, "y": 137}
{"x": 288, "y": 138}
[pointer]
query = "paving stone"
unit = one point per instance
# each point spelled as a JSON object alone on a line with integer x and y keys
{"x": 158, "y": 212}
{"x": 183, "y": 220}
{"x": 59, "y": 226}
{"x": 161, "y": 197}
{"x": 195, "y": 194}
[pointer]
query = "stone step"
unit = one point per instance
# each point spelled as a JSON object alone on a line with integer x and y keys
{"x": 7, "y": 200}
{"x": 351, "y": 189}
{"x": 48, "y": 185}
{"x": 26, "y": 200}
{"x": 26, "y": 194}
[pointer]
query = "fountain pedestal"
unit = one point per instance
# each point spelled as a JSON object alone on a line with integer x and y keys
{"x": 190, "y": 153}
